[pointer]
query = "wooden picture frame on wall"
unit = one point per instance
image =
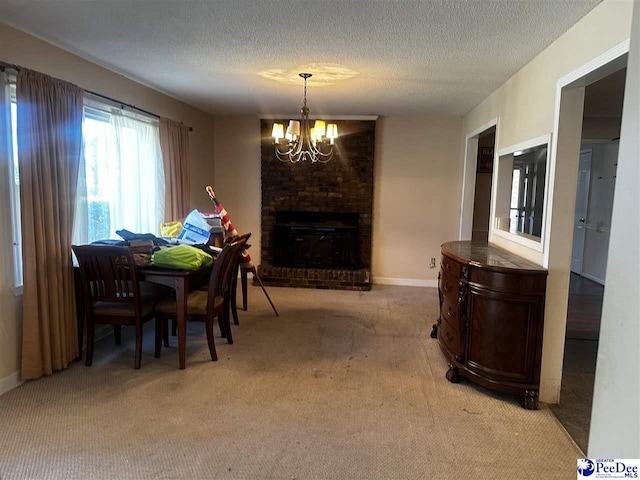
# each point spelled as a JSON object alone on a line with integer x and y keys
{"x": 485, "y": 160}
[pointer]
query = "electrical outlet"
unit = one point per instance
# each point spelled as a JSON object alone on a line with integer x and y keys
{"x": 432, "y": 262}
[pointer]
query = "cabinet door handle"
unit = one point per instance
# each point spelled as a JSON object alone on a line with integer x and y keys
{"x": 448, "y": 336}
{"x": 447, "y": 287}
{"x": 451, "y": 313}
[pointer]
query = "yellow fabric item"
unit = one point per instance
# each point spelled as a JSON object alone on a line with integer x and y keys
{"x": 170, "y": 229}
{"x": 183, "y": 257}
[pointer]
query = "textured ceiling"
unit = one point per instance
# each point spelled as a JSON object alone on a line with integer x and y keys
{"x": 409, "y": 57}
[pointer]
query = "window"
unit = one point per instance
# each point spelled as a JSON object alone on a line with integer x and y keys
{"x": 121, "y": 177}
{"x": 520, "y": 192}
{"x": 121, "y": 180}
{"x": 14, "y": 178}
{"x": 9, "y": 151}
{"x": 515, "y": 197}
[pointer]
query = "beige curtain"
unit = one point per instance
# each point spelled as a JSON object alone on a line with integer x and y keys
{"x": 49, "y": 149}
{"x": 174, "y": 142}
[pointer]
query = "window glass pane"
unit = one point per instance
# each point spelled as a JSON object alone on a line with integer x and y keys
{"x": 15, "y": 191}
{"x": 97, "y": 136}
{"x": 515, "y": 195}
{"x": 121, "y": 178}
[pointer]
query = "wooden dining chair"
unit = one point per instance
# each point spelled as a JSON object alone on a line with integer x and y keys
{"x": 204, "y": 305}
{"x": 112, "y": 294}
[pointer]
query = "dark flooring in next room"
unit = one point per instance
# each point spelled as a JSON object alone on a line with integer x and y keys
{"x": 581, "y": 348}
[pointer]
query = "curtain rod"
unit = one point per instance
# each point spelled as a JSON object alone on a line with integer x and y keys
{"x": 4, "y": 66}
{"x": 128, "y": 105}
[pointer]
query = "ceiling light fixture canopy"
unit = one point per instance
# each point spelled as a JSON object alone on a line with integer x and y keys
{"x": 303, "y": 142}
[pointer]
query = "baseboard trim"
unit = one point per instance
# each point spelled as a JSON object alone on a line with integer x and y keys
{"x": 14, "y": 379}
{"x": 10, "y": 382}
{"x": 404, "y": 282}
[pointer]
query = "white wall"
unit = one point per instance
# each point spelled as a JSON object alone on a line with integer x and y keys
{"x": 415, "y": 208}
{"x": 615, "y": 417}
{"x": 237, "y": 179}
{"x": 27, "y": 51}
{"x": 525, "y": 106}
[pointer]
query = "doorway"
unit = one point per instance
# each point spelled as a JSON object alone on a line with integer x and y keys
{"x": 484, "y": 176}
{"x": 477, "y": 180}
{"x": 601, "y": 120}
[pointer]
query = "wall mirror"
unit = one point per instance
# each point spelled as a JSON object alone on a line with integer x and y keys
{"x": 521, "y": 191}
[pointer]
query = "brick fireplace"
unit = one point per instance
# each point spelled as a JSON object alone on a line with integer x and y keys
{"x": 316, "y": 218}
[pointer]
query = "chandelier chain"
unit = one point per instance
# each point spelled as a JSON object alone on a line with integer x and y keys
{"x": 305, "y": 92}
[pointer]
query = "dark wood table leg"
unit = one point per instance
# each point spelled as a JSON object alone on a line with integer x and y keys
{"x": 243, "y": 277}
{"x": 181, "y": 310}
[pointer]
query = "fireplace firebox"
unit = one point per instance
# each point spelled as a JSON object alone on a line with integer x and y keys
{"x": 316, "y": 239}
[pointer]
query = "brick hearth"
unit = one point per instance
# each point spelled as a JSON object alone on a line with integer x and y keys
{"x": 345, "y": 184}
{"x": 316, "y": 278}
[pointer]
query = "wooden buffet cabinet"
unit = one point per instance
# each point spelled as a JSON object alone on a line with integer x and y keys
{"x": 491, "y": 318}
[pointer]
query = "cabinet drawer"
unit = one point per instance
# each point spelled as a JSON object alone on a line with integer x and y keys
{"x": 450, "y": 339}
{"x": 449, "y": 285}
{"x": 451, "y": 313}
{"x": 510, "y": 282}
{"x": 450, "y": 266}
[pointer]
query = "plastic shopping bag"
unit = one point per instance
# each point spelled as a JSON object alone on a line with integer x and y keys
{"x": 195, "y": 229}
{"x": 182, "y": 257}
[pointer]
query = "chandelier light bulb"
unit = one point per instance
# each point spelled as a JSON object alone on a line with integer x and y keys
{"x": 277, "y": 132}
{"x": 319, "y": 128}
{"x": 332, "y": 132}
{"x": 294, "y": 125}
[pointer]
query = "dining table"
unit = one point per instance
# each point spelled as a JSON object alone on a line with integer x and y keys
{"x": 182, "y": 281}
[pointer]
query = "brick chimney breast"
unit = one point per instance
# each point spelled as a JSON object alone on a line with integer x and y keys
{"x": 342, "y": 186}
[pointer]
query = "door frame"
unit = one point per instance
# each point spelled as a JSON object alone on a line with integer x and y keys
{"x": 598, "y": 68}
{"x": 469, "y": 167}
{"x": 557, "y": 251}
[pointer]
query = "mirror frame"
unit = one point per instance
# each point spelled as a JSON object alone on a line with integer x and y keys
{"x": 501, "y": 183}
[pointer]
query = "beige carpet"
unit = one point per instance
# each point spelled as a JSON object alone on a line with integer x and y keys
{"x": 343, "y": 385}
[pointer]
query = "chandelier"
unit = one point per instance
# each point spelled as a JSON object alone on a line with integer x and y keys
{"x": 303, "y": 142}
